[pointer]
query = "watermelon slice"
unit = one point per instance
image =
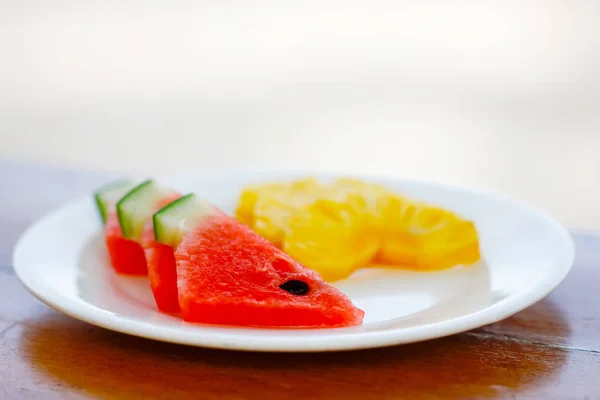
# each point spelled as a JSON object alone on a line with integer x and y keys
{"x": 161, "y": 271}
{"x": 135, "y": 211}
{"x": 161, "y": 264}
{"x": 229, "y": 275}
{"x": 126, "y": 256}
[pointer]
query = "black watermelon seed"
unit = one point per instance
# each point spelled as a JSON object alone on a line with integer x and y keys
{"x": 295, "y": 287}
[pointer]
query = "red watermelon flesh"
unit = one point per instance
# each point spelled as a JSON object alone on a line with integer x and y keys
{"x": 229, "y": 275}
{"x": 126, "y": 256}
{"x": 161, "y": 265}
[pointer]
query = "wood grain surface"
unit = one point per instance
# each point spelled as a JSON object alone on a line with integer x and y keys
{"x": 551, "y": 350}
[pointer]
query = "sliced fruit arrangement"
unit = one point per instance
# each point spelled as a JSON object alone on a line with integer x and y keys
{"x": 252, "y": 271}
{"x": 335, "y": 228}
{"x": 210, "y": 267}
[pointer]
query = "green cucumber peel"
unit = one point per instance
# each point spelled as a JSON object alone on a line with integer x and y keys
{"x": 137, "y": 206}
{"x": 175, "y": 219}
{"x": 108, "y": 195}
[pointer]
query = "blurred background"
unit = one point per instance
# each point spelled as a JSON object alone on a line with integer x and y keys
{"x": 502, "y": 95}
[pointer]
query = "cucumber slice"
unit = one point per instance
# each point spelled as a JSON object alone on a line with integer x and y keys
{"x": 108, "y": 195}
{"x": 137, "y": 206}
{"x": 175, "y": 219}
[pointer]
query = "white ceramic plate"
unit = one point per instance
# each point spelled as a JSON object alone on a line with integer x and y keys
{"x": 62, "y": 261}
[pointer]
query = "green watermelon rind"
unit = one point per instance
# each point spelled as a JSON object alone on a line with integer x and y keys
{"x": 108, "y": 195}
{"x": 175, "y": 219}
{"x": 137, "y": 206}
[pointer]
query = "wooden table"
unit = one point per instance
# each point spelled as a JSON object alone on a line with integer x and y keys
{"x": 551, "y": 350}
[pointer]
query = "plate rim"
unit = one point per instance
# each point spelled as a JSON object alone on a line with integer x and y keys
{"x": 203, "y": 337}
